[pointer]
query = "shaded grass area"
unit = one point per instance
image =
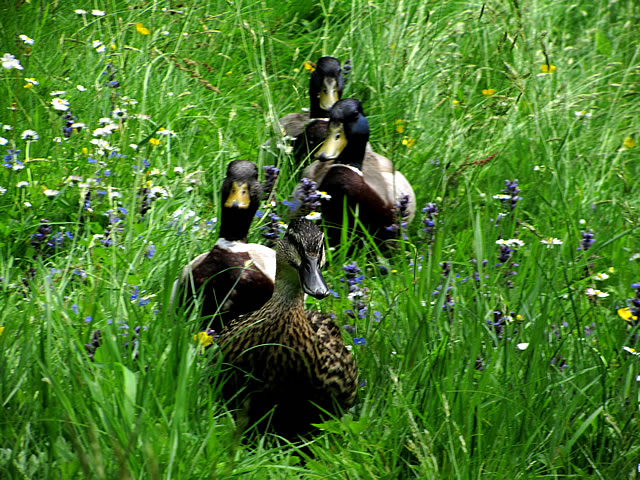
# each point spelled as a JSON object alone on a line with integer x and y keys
{"x": 467, "y": 370}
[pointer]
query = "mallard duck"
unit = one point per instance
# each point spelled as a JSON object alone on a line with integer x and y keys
{"x": 289, "y": 358}
{"x": 375, "y": 192}
{"x": 325, "y": 88}
{"x": 234, "y": 277}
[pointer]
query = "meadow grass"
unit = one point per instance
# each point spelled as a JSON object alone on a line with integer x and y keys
{"x": 471, "y": 365}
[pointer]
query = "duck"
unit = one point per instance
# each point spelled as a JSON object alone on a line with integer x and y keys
{"x": 376, "y": 193}
{"x": 325, "y": 88}
{"x": 234, "y": 277}
{"x": 287, "y": 365}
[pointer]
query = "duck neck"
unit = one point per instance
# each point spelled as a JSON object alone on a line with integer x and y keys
{"x": 315, "y": 111}
{"x": 235, "y": 222}
{"x": 353, "y": 153}
{"x": 287, "y": 290}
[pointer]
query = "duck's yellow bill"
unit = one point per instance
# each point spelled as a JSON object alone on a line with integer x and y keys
{"x": 334, "y": 144}
{"x": 328, "y": 93}
{"x": 239, "y": 196}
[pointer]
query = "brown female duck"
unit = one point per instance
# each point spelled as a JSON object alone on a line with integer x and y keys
{"x": 234, "y": 277}
{"x": 286, "y": 357}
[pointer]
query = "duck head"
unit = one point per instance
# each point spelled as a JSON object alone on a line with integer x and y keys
{"x": 325, "y": 86}
{"x": 300, "y": 257}
{"x": 240, "y": 199}
{"x": 348, "y": 134}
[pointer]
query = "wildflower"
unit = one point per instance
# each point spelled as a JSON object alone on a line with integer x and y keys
{"x": 551, "y": 241}
{"x": 151, "y": 250}
{"x": 547, "y": 68}
{"x": 359, "y": 341}
{"x": 271, "y": 173}
{"x": 141, "y": 29}
{"x": 203, "y": 339}
{"x": 306, "y": 198}
{"x": 627, "y": 315}
{"x": 3, "y": 190}
{"x": 309, "y": 66}
{"x": 600, "y": 276}
{"x": 632, "y": 351}
{"x": 81, "y": 88}
{"x": 30, "y": 136}
{"x": 408, "y": 142}
{"x": 98, "y": 45}
{"x": 119, "y": 113}
{"x": 165, "y": 132}
{"x": 401, "y": 215}
{"x": 57, "y": 93}
{"x": 588, "y": 239}
{"x": 60, "y": 104}
{"x": 429, "y": 221}
{"x": 273, "y": 230}
{"x": 51, "y": 193}
{"x": 509, "y": 195}
{"x": 488, "y": 91}
{"x": 3, "y": 141}
{"x": 26, "y": 40}
{"x": 154, "y": 141}
{"x": 592, "y": 292}
{"x": 582, "y": 114}
{"x": 512, "y": 242}
{"x": 629, "y": 142}
{"x": 22, "y": 184}
{"x": 399, "y": 126}
{"x": 9, "y": 62}
{"x": 522, "y": 346}
{"x": 97, "y": 13}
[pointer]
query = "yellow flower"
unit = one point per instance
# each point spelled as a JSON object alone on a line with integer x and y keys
{"x": 28, "y": 86}
{"x": 488, "y": 91}
{"x": 399, "y": 126}
{"x": 141, "y": 29}
{"x": 85, "y": 151}
{"x": 625, "y": 314}
{"x": 308, "y": 66}
{"x": 113, "y": 47}
{"x": 229, "y": 72}
{"x": 154, "y": 141}
{"x": 203, "y": 339}
{"x": 628, "y": 142}
{"x": 547, "y": 68}
{"x": 408, "y": 142}
{"x": 1, "y": 330}
{"x": 456, "y": 102}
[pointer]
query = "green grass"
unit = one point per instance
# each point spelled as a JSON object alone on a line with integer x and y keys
{"x": 564, "y": 407}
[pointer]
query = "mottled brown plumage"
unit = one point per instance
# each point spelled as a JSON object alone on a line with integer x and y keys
{"x": 285, "y": 357}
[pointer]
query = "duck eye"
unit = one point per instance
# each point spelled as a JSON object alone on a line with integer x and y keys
{"x": 337, "y": 136}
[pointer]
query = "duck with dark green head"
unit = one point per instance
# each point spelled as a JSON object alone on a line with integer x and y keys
{"x": 325, "y": 88}
{"x": 288, "y": 364}
{"x": 375, "y": 195}
{"x": 234, "y": 277}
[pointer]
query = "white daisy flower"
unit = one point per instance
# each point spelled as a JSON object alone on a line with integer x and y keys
{"x": 30, "y": 136}
{"x": 3, "y": 141}
{"x": 22, "y": 184}
{"x": 81, "y": 88}
{"x": 600, "y": 276}
{"x": 80, "y": 12}
{"x": 60, "y": 104}
{"x": 9, "y": 62}
{"x": 26, "y": 40}
{"x": 592, "y": 292}
{"x": 551, "y": 241}
{"x": 97, "y": 13}
{"x": 51, "y": 193}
